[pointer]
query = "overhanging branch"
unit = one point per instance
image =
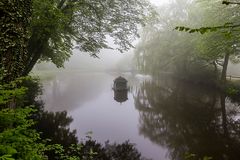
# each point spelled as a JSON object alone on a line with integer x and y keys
{"x": 228, "y": 3}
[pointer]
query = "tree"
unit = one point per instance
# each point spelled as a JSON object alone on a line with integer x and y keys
{"x": 14, "y": 22}
{"x": 60, "y": 25}
{"x": 162, "y": 49}
{"x": 213, "y": 28}
{"x": 222, "y": 44}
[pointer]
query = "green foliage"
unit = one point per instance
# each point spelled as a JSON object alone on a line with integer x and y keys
{"x": 14, "y": 21}
{"x": 204, "y": 30}
{"x": 60, "y": 25}
{"x": 162, "y": 49}
{"x": 91, "y": 150}
{"x": 165, "y": 50}
{"x": 12, "y": 92}
{"x": 201, "y": 30}
{"x": 231, "y": 91}
{"x": 17, "y": 140}
{"x": 194, "y": 157}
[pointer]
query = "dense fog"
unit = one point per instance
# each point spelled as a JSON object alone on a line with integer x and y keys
{"x": 119, "y": 80}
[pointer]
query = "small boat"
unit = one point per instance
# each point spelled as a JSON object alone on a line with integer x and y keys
{"x": 120, "y": 89}
{"x": 120, "y": 84}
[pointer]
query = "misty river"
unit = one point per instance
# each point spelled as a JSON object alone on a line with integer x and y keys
{"x": 164, "y": 118}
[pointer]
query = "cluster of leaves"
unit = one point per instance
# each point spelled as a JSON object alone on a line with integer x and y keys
{"x": 204, "y": 30}
{"x": 91, "y": 150}
{"x": 17, "y": 139}
{"x": 233, "y": 91}
{"x": 14, "y": 93}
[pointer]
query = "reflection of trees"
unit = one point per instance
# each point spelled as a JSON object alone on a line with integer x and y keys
{"x": 55, "y": 126}
{"x": 79, "y": 88}
{"x": 188, "y": 119}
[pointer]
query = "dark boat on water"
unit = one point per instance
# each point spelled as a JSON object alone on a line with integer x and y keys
{"x": 120, "y": 84}
{"x": 120, "y": 89}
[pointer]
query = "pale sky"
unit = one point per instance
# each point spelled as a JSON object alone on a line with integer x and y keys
{"x": 159, "y": 2}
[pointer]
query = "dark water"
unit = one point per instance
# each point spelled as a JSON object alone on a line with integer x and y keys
{"x": 166, "y": 119}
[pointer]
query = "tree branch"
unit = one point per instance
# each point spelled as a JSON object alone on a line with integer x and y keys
{"x": 228, "y": 3}
{"x": 60, "y": 4}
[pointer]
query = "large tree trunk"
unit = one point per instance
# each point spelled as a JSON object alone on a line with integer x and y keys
{"x": 15, "y": 16}
{"x": 35, "y": 49}
{"x": 31, "y": 64}
{"x": 224, "y": 69}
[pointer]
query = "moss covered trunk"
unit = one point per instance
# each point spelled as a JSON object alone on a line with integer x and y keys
{"x": 14, "y": 22}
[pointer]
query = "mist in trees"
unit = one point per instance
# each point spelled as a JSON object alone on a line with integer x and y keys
{"x": 164, "y": 49}
{"x": 185, "y": 46}
{"x": 33, "y": 31}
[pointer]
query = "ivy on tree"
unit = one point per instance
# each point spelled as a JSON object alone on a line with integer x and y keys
{"x": 14, "y": 21}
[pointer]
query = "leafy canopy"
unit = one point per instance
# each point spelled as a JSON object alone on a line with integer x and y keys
{"x": 58, "y": 26}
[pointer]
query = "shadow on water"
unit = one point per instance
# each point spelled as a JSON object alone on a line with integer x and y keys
{"x": 189, "y": 118}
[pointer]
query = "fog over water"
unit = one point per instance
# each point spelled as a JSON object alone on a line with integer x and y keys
{"x": 166, "y": 110}
{"x": 120, "y": 80}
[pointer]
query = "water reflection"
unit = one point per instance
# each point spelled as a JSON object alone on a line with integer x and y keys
{"x": 67, "y": 91}
{"x": 121, "y": 96}
{"x": 188, "y": 119}
{"x": 120, "y": 89}
{"x": 88, "y": 99}
{"x": 55, "y": 126}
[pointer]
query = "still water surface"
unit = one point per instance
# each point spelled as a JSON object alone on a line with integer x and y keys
{"x": 165, "y": 119}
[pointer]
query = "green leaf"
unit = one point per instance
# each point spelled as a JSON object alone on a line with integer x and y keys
{"x": 6, "y": 157}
